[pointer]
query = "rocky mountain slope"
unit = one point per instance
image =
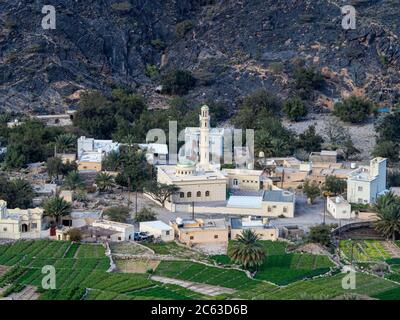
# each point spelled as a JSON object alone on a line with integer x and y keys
{"x": 231, "y": 47}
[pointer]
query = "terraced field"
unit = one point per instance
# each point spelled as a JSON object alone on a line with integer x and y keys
{"x": 364, "y": 251}
{"x": 78, "y": 267}
{"x": 282, "y": 268}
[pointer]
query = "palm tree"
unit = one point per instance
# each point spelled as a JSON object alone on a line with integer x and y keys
{"x": 388, "y": 222}
{"x": 104, "y": 181}
{"x": 56, "y": 207}
{"x": 386, "y": 200}
{"x": 247, "y": 250}
{"x": 65, "y": 141}
{"x": 112, "y": 161}
{"x": 73, "y": 181}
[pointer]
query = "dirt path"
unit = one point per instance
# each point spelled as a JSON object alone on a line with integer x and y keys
{"x": 194, "y": 286}
{"x": 29, "y": 293}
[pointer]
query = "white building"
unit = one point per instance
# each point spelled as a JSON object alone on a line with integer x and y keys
{"x": 20, "y": 224}
{"x": 158, "y": 229}
{"x": 156, "y": 153}
{"x": 124, "y": 231}
{"x": 339, "y": 208}
{"x": 215, "y": 139}
{"x": 91, "y": 152}
{"x": 197, "y": 182}
{"x": 366, "y": 184}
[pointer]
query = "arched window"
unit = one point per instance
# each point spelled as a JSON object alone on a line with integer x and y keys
{"x": 198, "y": 194}
{"x": 189, "y": 194}
{"x": 207, "y": 193}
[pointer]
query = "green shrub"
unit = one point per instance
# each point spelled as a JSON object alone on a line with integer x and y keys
{"x": 295, "y": 109}
{"x": 353, "y": 109}
{"x": 177, "y": 82}
{"x": 183, "y": 27}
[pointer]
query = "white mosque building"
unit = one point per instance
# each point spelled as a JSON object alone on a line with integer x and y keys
{"x": 198, "y": 182}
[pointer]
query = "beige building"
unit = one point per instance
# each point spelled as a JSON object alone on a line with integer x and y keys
{"x": 260, "y": 226}
{"x": 324, "y": 156}
{"x": 339, "y": 208}
{"x": 200, "y": 231}
{"x": 271, "y": 203}
{"x": 18, "y": 224}
{"x": 244, "y": 179}
{"x": 194, "y": 185}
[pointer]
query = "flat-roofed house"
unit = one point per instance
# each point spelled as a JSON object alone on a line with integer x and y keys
{"x": 244, "y": 179}
{"x": 123, "y": 231}
{"x": 200, "y": 231}
{"x": 158, "y": 229}
{"x": 325, "y": 156}
{"x": 261, "y": 227}
{"x": 269, "y": 203}
{"x": 367, "y": 183}
{"x": 19, "y": 224}
{"x": 91, "y": 153}
{"x": 339, "y": 207}
{"x": 156, "y": 153}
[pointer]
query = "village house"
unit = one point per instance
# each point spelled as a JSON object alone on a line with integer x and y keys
{"x": 18, "y": 224}
{"x": 244, "y": 179}
{"x": 261, "y": 227}
{"x": 123, "y": 231}
{"x": 339, "y": 208}
{"x": 91, "y": 153}
{"x": 200, "y": 231}
{"x": 268, "y": 203}
{"x": 324, "y": 156}
{"x": 158, "y": 229}
{"x": 156, "y": 153}
{"x": 367, "y": 183}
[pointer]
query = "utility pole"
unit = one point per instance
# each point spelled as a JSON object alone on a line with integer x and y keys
{"x": 129, "y": 191}
{"x": 136, "y": 206}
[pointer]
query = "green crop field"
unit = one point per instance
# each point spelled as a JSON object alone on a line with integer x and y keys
{"x": 324, "y": 288}
{"x": 78, "y": 267}
{"x": 364, "y": 251}
{"x": 197, "y": 272}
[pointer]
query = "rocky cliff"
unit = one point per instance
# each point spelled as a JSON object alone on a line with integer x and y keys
{"x": 231, "y": 47}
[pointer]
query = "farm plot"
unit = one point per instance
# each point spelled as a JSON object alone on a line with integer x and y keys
{"x": 364, "y": 251}
{"x": 326, "y": 288}
{"x": 90, "y": 251}
{"x": 287, "y": 268}
{"x": 196, "y": 272}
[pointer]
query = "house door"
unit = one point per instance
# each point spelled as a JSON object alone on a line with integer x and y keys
{"x": 24, "y": 227}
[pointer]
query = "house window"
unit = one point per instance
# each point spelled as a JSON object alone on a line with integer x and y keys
{"x": 191, "y": 237}
{"x": 360, "y": 200}
{"x": 167, "y": 233}
{"x": 360, "y": 189}
{"x": 198, "y": 194}
{"x": 269, "y": 209}
{"x": 34, "y": 226}
{"x": 181, "y": 194}
{"x": 119, "y": 238}
{"x": 216, "y": 236}
{"x": 235, "y": 182}
{"x": 5, "y": 229}
{"x": 284, "y": 209}
{"x": 189, "y": 194}
{"x": 207, "y": 193}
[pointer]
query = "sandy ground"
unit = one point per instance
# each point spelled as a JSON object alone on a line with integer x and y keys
{"x": 363, "y": 136}
{"x": 136, "y": 265}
